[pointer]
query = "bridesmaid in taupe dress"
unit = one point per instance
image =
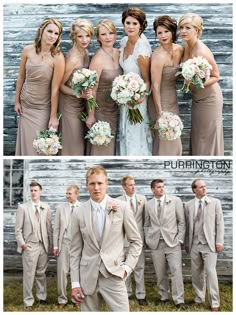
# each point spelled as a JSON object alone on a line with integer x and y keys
{"x": 41, "y": 71}
{"x": 106, "y": 63}
{"x": 71, "y": 106}
{"x": 207, "y": 103}
{"x": 164, "y": 65}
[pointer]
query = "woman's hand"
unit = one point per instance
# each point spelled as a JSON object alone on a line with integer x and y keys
{"x": 53, "y": 123}
{"x": 85, "y": 94}
{"x": 90, "y": 120}
{"x": 18, "y": 109}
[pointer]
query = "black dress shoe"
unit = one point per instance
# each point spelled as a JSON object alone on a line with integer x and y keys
{"x": 142, "y": 302}
{"x": 181, "y": 305}
{"x": 28, "y": 308}
{"x": 43, "y": 302}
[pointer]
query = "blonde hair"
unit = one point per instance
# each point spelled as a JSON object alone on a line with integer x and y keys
{"x": 81, "y": 24}
{"x": 106, "y": 23}
{"x": 55, "y": 49}
{"x": 95, "y": 170}
{"x": 194, "y": 19}
{"x": 124, "y": 179}
{"x": 75, "y": 187}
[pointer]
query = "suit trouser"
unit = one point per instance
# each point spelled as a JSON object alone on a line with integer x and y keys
{"x": 173, "y": 256}
{"x": 114, "y": 293}
{"x": 35, "y": 261}
{"x": 203, "y": 260}
{"x": 63, "y": 268}
{"x": 138, "y": 278}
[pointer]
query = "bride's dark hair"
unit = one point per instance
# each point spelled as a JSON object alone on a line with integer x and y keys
{"x": 138, "y": 14}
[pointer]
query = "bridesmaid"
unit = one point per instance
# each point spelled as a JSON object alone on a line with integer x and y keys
{"x": 164, "y": 65}
{"x": 41, "y": 71}
{"x": 71, "y": 106}
{"x": 107, "y": 71}
{"x": 207, "y": 103}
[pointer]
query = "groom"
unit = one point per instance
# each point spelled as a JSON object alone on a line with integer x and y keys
{"x": 99, "y": 266}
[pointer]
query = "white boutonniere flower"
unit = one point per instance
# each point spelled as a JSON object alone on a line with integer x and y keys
{"x": 139, "y": 201}
{"x": 112, "y": 207}
{"x": 41, "y": 208}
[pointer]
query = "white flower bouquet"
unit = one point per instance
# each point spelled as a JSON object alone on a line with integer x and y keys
{"x": 100, "y": 133}
{"x": 82, "y": 80}
{"x": 127, "y": 89}
{"x": 169, "y": 126}
{"x": 47, "y": 142}
{"x": 196, "y": 71}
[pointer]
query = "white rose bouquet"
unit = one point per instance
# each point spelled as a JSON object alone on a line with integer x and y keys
{"x": 100, "y": 133}
{"x": 48, "y": 142}
{"x": 82, "y": 80}
{"x": 169, "y": 126}
{"x": 127, "y": 89}
{"x": 196, "y": 71}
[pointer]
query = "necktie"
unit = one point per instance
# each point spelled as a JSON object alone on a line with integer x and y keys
{"x": 72, "y": 209}
{"x": 159, "y": 208}
{"x": 36, "y": 212}
{"x": 100, "y": 220}
{"x": 199, "y": 210}
{"x": 132, "y": 205}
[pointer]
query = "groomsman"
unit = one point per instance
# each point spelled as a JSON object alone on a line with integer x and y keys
{"x": 164, "y": 230}
{"x": 99, "y": 265}
{"x": 62, "y": 240}
{"x": 34, "y": 237}
{"x": 137, "y": 203}
{"x": 204, "y": 239}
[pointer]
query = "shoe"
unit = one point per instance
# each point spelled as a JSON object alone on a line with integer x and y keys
{"x": 197, "y": 303}
{"x": 215, "y": 309}
{"x": 76, "y": 305}
{"x": 163, "y": 301}
{"x": 43, "y": 302}
{"x": 181, "y": 306}
{"x": 131, "y": 297}
{"x": 61, "y": 305}
{"x": 142, "y": 302}
{"x": 28, "y": 308}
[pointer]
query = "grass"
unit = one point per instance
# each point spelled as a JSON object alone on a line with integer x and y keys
{"x": 13, "y": 299}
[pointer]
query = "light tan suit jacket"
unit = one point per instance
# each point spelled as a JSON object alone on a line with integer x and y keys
{"x": 26, "y": 225}
{"x": 62, "y": 217}
{"x": 213, "y": 222}
{"x": 86, "y": 255}
{"x": 171, "y": 224}
{"x": 139, "y": 215}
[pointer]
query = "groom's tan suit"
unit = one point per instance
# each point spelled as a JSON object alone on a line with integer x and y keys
{"x": 96, "y": 263}
{"x": 139, "y": 215}
{"x": 39, "y": 234}
{"x": 201, "y": 239}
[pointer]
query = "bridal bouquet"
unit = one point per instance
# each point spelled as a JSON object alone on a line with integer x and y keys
{"x": 100, "y": 133}
{"x": 82, "y": 80}
{"x": 169, "y": 126}
{"x": 196, "y": 70}
{"x": 128, "y": 89}
{"x": 47, "y": 142}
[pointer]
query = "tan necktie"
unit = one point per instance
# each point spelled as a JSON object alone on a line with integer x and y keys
{"x": 36, "y": 212}
{"x": 199, "y": 210}
{"x": 158, "y": 208}
{"x": 72, "y": 209}
{"x": 132, "y": 205}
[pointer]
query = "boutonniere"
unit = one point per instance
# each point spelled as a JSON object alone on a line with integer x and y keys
{"x": 139, "y": 201}
{"x": 168, "y": 201}
{"x": 112, "y": 207}
{"x": 41, "y": 208}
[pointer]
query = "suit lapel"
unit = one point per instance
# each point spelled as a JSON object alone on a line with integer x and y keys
{"x": 109, "y": 216}
{"x": 31, "y": 212}
{"x": 66, "y": 214}
{"x": 191, "y": 213}
{"x": 88, "y": 222}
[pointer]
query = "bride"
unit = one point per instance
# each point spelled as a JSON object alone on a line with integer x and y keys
{"x": 135, "y": 52}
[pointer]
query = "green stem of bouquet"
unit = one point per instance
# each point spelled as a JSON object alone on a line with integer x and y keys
{"x": 92, "y": 104}
{"x": 135, "y": 116}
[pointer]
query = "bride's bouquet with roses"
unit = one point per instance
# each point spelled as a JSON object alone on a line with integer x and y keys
{"x": 82, "y": 80}
{"x": 196, "y": 71}
{"x": 100, "y": 133}
{"x": 169, "y": 126}
{"x": 127, "y": 89}
{"x": 48, "y": 142}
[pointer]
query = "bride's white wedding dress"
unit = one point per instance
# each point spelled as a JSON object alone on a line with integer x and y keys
{"x": 135, "y": 139}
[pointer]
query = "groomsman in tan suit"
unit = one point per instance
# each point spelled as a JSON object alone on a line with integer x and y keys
{"x": 34, "y": 237}
{"x": 204, "y": 239}
{"x": 137, "y": 204}
{"x": 62, "y": 240}
{"x": 164, "y": 230}
{"x": 98, "y": 262}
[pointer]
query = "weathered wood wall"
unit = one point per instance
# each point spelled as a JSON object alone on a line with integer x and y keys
{"x": 20, "y": 27}
{"x": 55, "y": 175}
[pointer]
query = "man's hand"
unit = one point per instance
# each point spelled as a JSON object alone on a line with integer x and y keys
{"x": 56, "y": 252}
{"x": 78, "y": 295}
{"x": 219, "y": 248}
{"x": 25, "y": 246}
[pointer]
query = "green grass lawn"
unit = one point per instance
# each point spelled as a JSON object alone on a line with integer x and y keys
{"x": 13, "y": 299}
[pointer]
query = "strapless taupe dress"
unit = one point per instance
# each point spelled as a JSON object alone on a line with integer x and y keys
{"x": 207, "y": 124}
{"x": 169, "y": 103}
{"x": 71, "y": 126}
{"x": 107, "y": 110}
{"x": 35, "y": 101}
